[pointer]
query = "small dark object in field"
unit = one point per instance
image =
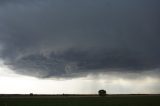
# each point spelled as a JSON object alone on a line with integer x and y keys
{"x": 31, "y": 94}
{"x": 102, "y": 92}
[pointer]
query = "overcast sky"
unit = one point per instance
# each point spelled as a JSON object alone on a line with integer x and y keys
{"x": 114, "y": 43}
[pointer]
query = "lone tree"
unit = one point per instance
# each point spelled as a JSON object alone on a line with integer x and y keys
{"x": 31, "y": 94}
{"x": 102, "y": 92}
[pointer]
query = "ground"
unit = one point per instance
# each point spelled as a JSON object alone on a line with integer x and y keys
{"x": 79, "y": 100}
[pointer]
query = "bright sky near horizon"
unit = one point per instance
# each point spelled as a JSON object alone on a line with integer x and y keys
{"x": 12, "y": 83}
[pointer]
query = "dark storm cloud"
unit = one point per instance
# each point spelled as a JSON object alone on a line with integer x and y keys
{"x": 69, "y": 38}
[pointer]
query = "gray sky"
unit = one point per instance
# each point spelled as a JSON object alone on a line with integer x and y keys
{"x": 77, "y": 38}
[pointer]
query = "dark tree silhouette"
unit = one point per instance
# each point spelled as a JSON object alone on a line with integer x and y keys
{"x": 102, "y": 92}
{"x": 31, "y": 94}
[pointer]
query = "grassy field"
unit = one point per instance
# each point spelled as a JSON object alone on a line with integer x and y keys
{"x": 110, "y": 100}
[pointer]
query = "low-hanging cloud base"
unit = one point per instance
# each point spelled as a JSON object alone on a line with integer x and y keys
{"x": 77, "y": 38}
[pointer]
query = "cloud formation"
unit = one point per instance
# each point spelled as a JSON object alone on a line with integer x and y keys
{"x": 72, "y": 38}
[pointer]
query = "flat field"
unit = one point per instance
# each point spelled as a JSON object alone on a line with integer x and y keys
{"x": 110, "y": 100}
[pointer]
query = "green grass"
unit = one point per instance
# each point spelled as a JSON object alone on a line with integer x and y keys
{"x": 81, "y": 101}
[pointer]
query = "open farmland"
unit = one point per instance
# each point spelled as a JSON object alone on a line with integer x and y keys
{"x": 79, "y": 100}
